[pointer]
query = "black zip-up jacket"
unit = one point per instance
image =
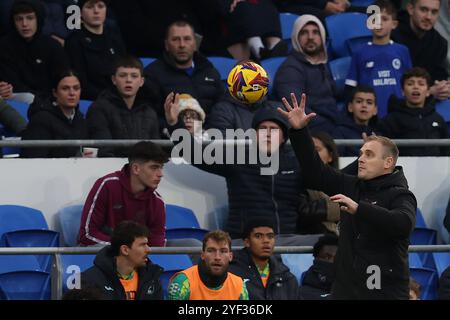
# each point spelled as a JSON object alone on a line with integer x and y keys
{"x": 93, "y": 57}
{"x": 103, "y": 275}
{"x": 428, "y": 52}
{"x": 281, "y": 284}
{"x": 252, "y": 195}
{"x": 109, "y": 118}
{"x": 163, "y": 77}
{"x": 403, "y": 122}
{"x": 48, "y": 122}
{"x": 30, "y": 66}
{"x": 376, "y": 235}
{"x": 317, "y": 281}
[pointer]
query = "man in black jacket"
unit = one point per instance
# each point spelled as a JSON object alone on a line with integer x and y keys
{"x": 123, "y": 112}
{"x": 28, "y": 59}
{"x": 378, "y": 212}
{"x": 268, "y": 278}
{"x": 183, "y": 70}
{"x": 122, "y": 270}
{"x": 427, "y": 47}
{"x": 318, "y": 279}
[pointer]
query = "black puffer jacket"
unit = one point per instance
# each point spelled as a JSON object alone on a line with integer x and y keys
{"x": 403, "y": 122}
{"x": 93, "y": 56}
{"x": 31, "y": 65}
{"x": 163, "y": 77}
{"x": 251, "y": 194}
{"x": 377, "y": 234}
{"x": 103, "y": 275}
{"x": 428, "y": 52}
{"x": 317, "y": 281}
{"x": 297, "y": 75}
{"x": 281, "y": 284}
{"x": 47, "y": 122}
{"x": 109, "y": 118}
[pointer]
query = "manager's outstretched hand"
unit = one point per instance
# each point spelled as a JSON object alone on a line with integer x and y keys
{"x": 296, "y": 115}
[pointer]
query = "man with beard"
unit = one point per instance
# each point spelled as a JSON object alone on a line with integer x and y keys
{"x": 269, "y": 279}
{"x": 182, "y": 69}
{"x": 427, "y": 47}
{"x": 122, "y": 270}
{"x": 306, "y": 71}
{"x": 210, "y": 279}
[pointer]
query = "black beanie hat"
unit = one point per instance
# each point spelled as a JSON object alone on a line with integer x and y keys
{"x": 81, "y": 3}
{"x": 253, "y": 223}
{"x": 270, "y": 113}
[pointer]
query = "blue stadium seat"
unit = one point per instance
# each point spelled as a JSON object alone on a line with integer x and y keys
{"x": 424, "y": 236}
{"x": 221, "y": 217}
{"x": 223, "y": 65}
{"x": 25, "y": 285}
{"x": 271, "y": 66}
{"x": 362, "y": 3}
{"x": 344, "y": 26}
{"x": 442, "y": 261}
{"x": 180, "y": 217}
{"x": 420, "y": 221}
{"x": 171, "y": 263}
{"x": 71, "y": 266}
{"x": 21, "y": 107}
{"x": 287, "y": 21}
{"x": 84, "y": 106}
{"x": 339, "y": 71}
{"x": 146, "y": 61}
{"x": 12, "y": 263}
{"x": 15, "y": 217}
{"x": 186, "y": 233}
{"x": 298, "y": 263}
{"x": 34, "y": 238}
{"x": 443, "y": 108}
{"x": 428, "y": 281}
{"x": 414, "y": 260}
{"x": 69, "y": 220}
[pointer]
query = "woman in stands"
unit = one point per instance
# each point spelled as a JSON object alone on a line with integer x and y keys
{"x": 57, "y": 119}
{"x": 94, "y": 49}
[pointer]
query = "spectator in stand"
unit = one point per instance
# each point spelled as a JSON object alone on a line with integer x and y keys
{"x": 253, "y": 29}
{"x": 29, "y": 60}
{"x": 415, "y": 117}
{"x": 427, "y": 47}
{"x": 361, "y": 118}
{"x": 57, "y": 119}
{"x": 268, "y": 278}
{"x": 443, "y": 27}
{"x": 94, "y": 49}
{"x": 306, "y": 71}
{"x": 182, "y": 69}
{"x": 128, "y": 194}
{"x": 122, "y": 270}
{"x": 381, "y": 63}
{"x": 122, "y": 111}
{"x": 319, "y": 278}
{"x": 317, "y": 214}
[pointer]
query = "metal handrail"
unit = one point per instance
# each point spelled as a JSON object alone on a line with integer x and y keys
{"x": 169, "y": 143}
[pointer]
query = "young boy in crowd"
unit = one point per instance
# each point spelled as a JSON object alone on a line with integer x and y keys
{"x": 123, "y": 111}
{"x": 380, "y": 63}
{"x": 361, "y": 118}
{"x": 415, "y": 117}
